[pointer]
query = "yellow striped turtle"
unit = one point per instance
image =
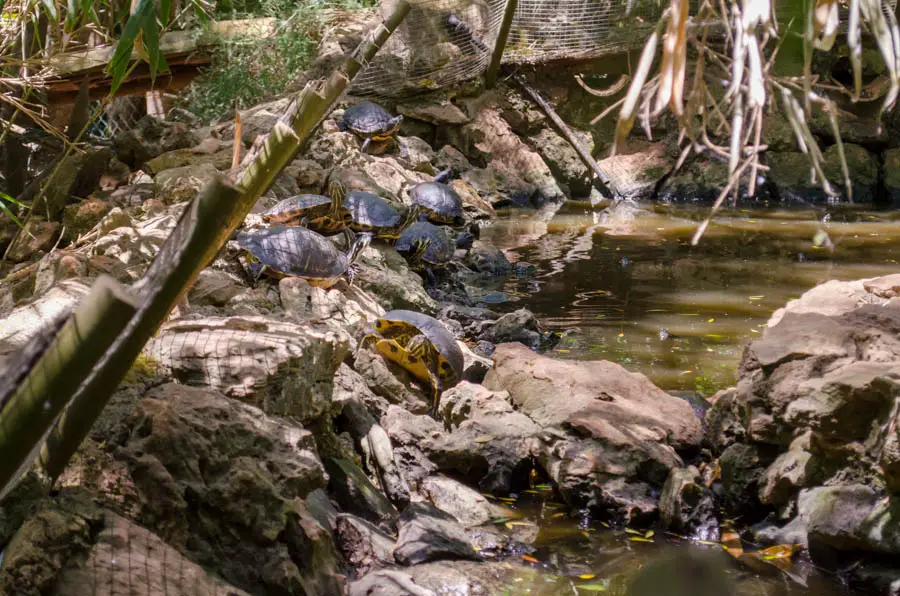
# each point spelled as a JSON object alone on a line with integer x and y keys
{"x": 316, "y": 212}
{"x": 371, "y": 213}
{"x": 371, "y": 122}
{"x": 421, "y": 345}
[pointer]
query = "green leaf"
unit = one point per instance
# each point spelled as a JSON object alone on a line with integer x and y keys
{"x": 165, "y": 7}
{"x": 143, "y": 19}
{"x": 151, "y": 41}
{"x": 50, "y": 7}
{"x": 596, "y": 587}
{"x": 71, "y": 16}
{"x": 5, "y": 209}
{"x": 9, "y": 199}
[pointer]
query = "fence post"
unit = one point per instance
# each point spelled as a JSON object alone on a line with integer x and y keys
{"x": 36, "y": 402}
{"x": 490, "y": 78}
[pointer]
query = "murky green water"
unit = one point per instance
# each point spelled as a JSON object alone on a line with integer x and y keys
{"x": 637, "y": 293}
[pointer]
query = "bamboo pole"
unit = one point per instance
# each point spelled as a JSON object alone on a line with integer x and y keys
{"x": 490, "y": 79}
{"x": 30, "y": 411}
{"x": 603, "y": 181}
{"x": 203, "y": 229}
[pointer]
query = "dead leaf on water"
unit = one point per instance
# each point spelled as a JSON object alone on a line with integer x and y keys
{"x": 639, "y": 539}
{"x": 587, "y": 576}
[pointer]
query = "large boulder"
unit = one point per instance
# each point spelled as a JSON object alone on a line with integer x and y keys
{"x": 611, "y": 443}
{"x": 281, "y": 367}
{"x": 428, "y": 534}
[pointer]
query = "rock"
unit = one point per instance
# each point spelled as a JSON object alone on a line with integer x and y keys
{"x": 488, "y": 260}
{"x": 563, "y": 160}
{"x": 180, "y": 185}
{"x": 75, "y": 178}
{"x": 743, "y": 470}
{"x": 787, "y": 474}
{"x": 450, "y": 577}
{"x": 385, "y": 274}
{"x": 790, "y": 174}
{"x": 440, "y": 113}
{"x": 835, "y": 298}
{"x": 126, "y": 555}
{"x": 636, "y": 173}
{"x": 37, "y": 237}
{"x": 219, "y": 157}
{"x": 411, "y": 436}
{"x": 450, "y": 157}
{"x": 363, "y": 545}
{"x": 27, "y": 320}
{"x": 344, "y": 312}
{"x": 284, "y": 369}
{"x": 356, "y": 494}
{"x": 391, "y": 382}
{"x": 191, "y": 456}
{"x": 777, "y": 132}
{"x": 891, "y": 169}
{"x": 417, "y": 154}
{"x": 518, "y": 326}
{"x": 151, "y": 137}
{"x": 468, "y": 506}
{"x": 846, "y": 517}
{"x": 466, "y": 400}
{"x": 803, "y": 336}
{"x": 702, "y": 180}
{"x": 81, "y": 217}
{"x": 687, "y": 506}
{"x": 214, "y": 288}
{"x": 428, "y": 534}
{"x": 350, "y": 387}
{"x": 473, "y": 205}
{"x": 308, "y": 174}
{"x": 489, "y": 140}
{"x": 614, "y": 437}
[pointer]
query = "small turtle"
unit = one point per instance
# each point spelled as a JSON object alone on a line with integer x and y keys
{"x": 317, "y": 212}
{"x": 371, "y": 213}
{"x": 371, "y": 122}
{"x": 283, "y": 251}
{"x": 426, "y": 246}
{"x": 440, "y": 203}
{"x": 419, "y": 344}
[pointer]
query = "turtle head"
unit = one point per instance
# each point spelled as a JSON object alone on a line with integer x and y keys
{"x": 444, "y": 176}
{"x": 412, "y": 215}
{"x": 419, "y": 246}
{"x": 359, "y": 245}
{"x": 393, "y": 124}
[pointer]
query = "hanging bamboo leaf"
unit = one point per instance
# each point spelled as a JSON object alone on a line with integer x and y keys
{"x": 855, "y": 45}
{"x": 629, "y": 107}
{"x": 50, "y": 9}
{"x": 140, "y": 27}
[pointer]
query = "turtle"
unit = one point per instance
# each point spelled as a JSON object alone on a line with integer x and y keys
{"x": 371, "y": 213}
{"x": 421, "y": 345}
{"x": 425, "y": 246}
{"x": 290, "y": 251}
{"x": 440, "y": 203}
{"x": 317, "y": 212}
{"x": 371, "y": 122}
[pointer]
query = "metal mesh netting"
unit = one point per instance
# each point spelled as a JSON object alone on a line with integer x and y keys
{"x": 577, "y": 29}
{"x": 440, "y": 42}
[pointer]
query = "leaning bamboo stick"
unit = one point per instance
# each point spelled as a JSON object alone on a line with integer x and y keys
{"x": 29, "y": 413}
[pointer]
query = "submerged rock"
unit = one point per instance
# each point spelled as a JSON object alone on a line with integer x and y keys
{"x": 687, "y": 506}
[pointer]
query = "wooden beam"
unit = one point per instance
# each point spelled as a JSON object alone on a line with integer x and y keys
{"x": 493, "y": 70}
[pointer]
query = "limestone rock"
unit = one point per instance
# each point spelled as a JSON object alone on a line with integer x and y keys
{"x": 467, "y": 400}
{"x": 27, "y": 320}
{"x": 219, "y": 157}
{"x": 356, "y": 494}
{"x": 564, "y": 161}
{"x": 284, "y": 369}
{"x": 449, "y": 577}
{"x": 385, "y": 274}
{"x": 635, "y": 174}
{"x": 214, "y": 288}
{"x": 411, "y": 437}
{"x": 439, "y": 113}
{"x": 488, "y": 260}
{"x": 81, "y": 217}
{"x": 687, "y": 506}
{"x": 179, "y": 185}
{"x": 363, "y": 545}
{"x": 37, "y": 237}
{"x": 428, "y": 534}
{"x": 614, "y": 438}
{"x": 468, "y": 506}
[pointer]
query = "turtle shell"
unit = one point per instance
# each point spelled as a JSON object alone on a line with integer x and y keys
{"x": 367, "y": 118}
{"x": 440, "y": 248}
{"x": 295, "y": 251}
{"x": 404, "y": 324}
{"x": 297, "y": 207}
{"x": 440, "y": 202}
{"x": 371, "y": 212}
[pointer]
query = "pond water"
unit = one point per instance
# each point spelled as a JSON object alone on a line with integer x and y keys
{"x": 639, "y": 294}
{"x": 635, "y": 292}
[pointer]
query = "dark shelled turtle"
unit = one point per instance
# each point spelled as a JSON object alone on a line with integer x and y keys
{"x": 440, "y": 203}
{"x": 371, "y": 213}
{"x": 317, "y": 212}
{"x": 371, "y": 122}
{"x": 419, "y": 344}
{"x": 282, "y": 251}
{"x": 426, "y": 246}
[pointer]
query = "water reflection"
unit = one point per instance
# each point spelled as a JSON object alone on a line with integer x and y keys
{"x": 640, "y": 295}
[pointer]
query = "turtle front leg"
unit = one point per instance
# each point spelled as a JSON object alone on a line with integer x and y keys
{"x": 365, "y": 145}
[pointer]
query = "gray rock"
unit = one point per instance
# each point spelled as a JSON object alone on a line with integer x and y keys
{"x": 356, "y": 494}
{"x": 468, "y": 506}
{"x": 428, "y": 534}
{"x": 37, "y": 237}
{"x": 385, "y": 274}
{"x": 518, "y": 326}
{"x": 411, "y": 437}
{"x": 790, "y": 174}
{"x": 214, "y": 288}
{"x": 787, "y": 475}
{"x": 636, "y": 173}
{"x": 450, "y": 578}
{"x": 180, "y": 185}
{"x": 363, "y": 545}
{"x": 440, "y": 113}
{"x": 564, "y": 161}
{"x": 488, "y": 260}
{"x": 283, "y": 368}
{"x": 687, "y": 506}
{"x": 743, "y": 469}
{"x": 467, "y": 400}
{"x": 417, "y": 154}
{"x": 724, "y": 426}
{"x": 450, "y": 157}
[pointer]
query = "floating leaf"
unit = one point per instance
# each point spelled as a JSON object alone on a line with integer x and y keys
{"x": 779, "y": 551}
{"x": 639, "y": 539}
{"x": 501, "y": 520}
{"x": 529, "y": 559}
{"x": 731, "y": 542}
{"x": 649, "y": 534}
{"x": 635, "y": 532}
{"x": 587, "y": 576}
{"x": 599, "y": 587}
{"x": 711, "y": 320}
